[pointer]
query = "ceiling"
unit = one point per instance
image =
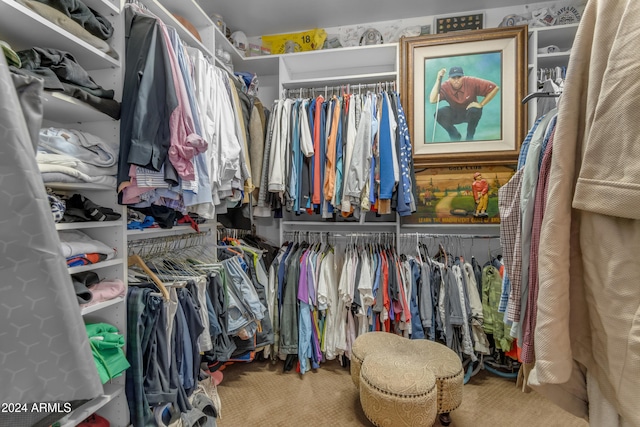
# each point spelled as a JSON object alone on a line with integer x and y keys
{"x": 261, "y": 17}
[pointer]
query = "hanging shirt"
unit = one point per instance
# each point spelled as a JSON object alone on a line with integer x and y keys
{"x": 317, "y": 178}
{"x": 306, "y": 146}
{"x": 185, "y": 142}
{"x": 263, "y": 209}
{"x": 340, "y": 150}
{"x": 277, "y": 156}
{"x": 368, "y": 197}
{"x": 304, "y": 317}
{"x": 527, "y": 195}
{"x": 296, "y": 156}
{"x": 330, "y": 174}
{"x": 359, "y": 167}
{"x": 406, "y": 158}
{"x": 203, "y": 75}
{"x": 393, "y": 126}
{"x": 225, "y": 157}
{"x": 201, "y": 192}
{"x": 387, "y": 179}
{"x": 325, "y": 119}
{"x": 145, "y": 133}
{"x": 349, "y": 144}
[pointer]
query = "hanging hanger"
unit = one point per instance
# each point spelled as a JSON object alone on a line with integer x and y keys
{"x": 540, "y": 95}
{"x": 135, "y": 260}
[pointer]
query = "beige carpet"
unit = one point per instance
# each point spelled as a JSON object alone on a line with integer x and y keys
{"x": 260, "y": 394}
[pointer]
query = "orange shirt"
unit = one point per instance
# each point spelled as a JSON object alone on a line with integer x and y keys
{"x": 330, "y": 169}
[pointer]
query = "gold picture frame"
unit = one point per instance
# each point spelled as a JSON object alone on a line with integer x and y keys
{"x": 491, "y": 132}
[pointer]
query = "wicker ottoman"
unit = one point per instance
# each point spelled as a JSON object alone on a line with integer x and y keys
{"x": 398, "y": 390}
{"x": 443, "y": 362}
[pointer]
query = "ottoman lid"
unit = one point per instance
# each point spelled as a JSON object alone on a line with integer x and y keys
{"x": 372, "y": 342}
{"x": 443, "y": 361}
{"x": 398, "y": 374}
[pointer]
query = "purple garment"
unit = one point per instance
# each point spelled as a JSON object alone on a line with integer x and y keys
{"x": 311, "y": 282}
{"x": 303, "y": 289}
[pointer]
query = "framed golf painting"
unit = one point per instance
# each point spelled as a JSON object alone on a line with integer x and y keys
{"x": 459, "y": 194}
{"x": 462, "y": 95}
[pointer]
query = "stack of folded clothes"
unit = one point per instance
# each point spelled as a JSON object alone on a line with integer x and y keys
{"x": 73, "y": 156}
{"x": 90, "y": 290}
{"x": 61, "y": 72}
{"x": 78, "y": 19}
{"x": 80, "y": 249}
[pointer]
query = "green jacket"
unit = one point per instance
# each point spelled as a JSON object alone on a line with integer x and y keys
{"x": 106, "y": 346}
{"x": 493, "y": 320}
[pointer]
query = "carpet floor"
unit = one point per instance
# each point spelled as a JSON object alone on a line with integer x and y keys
{"x": 261, "y": 394}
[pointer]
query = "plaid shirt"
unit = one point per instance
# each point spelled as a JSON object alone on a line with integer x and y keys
{"x": 510, "y": 226}
{"x": 524, "y": 149}
{"x": 529, "y": 323}
{"x": 518, "y": 301}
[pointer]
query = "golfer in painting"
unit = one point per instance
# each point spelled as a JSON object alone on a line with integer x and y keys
{"x": 461, "y": 92}
{"x": 480, "y": 189}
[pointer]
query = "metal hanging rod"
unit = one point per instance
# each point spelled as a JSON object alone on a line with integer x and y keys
{"x": 438, "y": 236}
{"x": 236, "y": 233}
{"x": 401, "y": 235}
{"x": 166, "y": 244}
{"x": 327, "y": 233}
{"x": 323, "y": 236}
{"x": 340, "y": 89}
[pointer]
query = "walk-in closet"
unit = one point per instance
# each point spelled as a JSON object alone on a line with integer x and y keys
{"x": 334, "y": 213}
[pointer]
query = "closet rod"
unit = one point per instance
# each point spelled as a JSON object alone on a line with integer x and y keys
{"x": 437, "y": 236}
{"x": 236, "y": 233}
{"x": 166, "y": 244}
{"x": 402, "y": 235}
{"x": 348, "y": 88}
{"x": 373, "y": 234}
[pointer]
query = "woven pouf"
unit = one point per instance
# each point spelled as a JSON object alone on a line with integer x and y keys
{"x": 447, "y": 368}
{"x": 398, "y": 390}
{"x": 370, "y": 343}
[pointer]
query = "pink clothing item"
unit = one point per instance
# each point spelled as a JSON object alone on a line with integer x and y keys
{"x": 529, "y": 324}
{"x": 217, "y": 377}
{"x": 131, "y": 193}
{"x": 185, "y": 143}
{"x": 317, "y": 185}
{"x": 106, "y": 290}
